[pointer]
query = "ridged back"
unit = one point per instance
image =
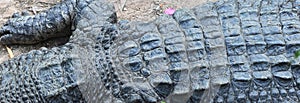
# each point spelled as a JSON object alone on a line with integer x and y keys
{"x": 227, "y": 51}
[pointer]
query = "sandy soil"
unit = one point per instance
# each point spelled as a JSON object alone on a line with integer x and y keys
{"x": 126, "y": 9}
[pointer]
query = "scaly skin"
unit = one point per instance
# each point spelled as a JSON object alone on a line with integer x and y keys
{"x": 57, "y": 74}
{"x": 227, "y": 51}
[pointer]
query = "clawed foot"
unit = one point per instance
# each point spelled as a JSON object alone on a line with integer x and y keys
{"x": 15, "y": 30}
{"x": 25, "y": 29}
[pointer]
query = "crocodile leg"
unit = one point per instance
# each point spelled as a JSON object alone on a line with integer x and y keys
{"x": 61, "y": 74}
{"x": 55, "y": 22}
{"x": 45, "y": 75}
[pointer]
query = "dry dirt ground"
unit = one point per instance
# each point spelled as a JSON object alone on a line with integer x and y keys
{"x": 141, "y": 10}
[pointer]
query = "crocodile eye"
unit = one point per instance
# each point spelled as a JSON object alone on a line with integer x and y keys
{"x": 129, "y": 48}
{"x": 133, "y": 63}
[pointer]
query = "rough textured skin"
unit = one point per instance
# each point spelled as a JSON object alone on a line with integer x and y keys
{"x": 227, "y": 51}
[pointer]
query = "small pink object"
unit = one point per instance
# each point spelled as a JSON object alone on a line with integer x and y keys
{"x": 170, "y": 11}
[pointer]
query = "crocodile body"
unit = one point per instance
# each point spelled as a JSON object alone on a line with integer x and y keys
{"x": 225, "y": 51}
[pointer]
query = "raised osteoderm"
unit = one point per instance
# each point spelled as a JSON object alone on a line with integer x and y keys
{"x": 226, "y": 51}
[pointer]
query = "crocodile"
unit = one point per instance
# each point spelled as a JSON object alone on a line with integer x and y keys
{"x": 223, "y": 51}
